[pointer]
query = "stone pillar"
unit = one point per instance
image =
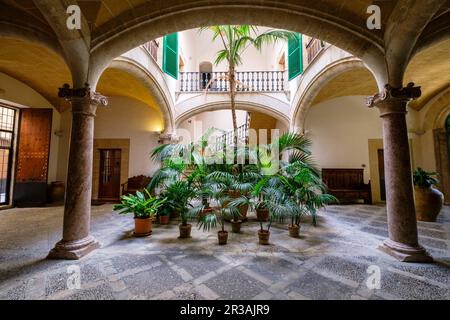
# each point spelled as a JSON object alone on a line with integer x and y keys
{"x": 403, "y": 240}
{"x": 77, "y": 241}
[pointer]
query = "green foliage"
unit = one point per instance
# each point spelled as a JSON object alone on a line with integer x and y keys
{"x": 293, "y": 190}
{"x": 222, "y": 211}
{"x": 424, "y": 179}
{"x": 179, "y": 195}
{"x": 142, "y": 205}
{"x": 237, "y": 38}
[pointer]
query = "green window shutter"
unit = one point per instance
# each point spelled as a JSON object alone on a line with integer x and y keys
{"x": 295, "y": 56}
{"x": 170, "y": 55}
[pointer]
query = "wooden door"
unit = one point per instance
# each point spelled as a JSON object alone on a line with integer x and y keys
{"x": 381, "y": 174}
{"x": 109, "y": 184}
{"x": 32, "y": 157}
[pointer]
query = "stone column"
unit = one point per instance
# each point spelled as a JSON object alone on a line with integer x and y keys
{"x": 77, "y": 241}
{"x": 403, "y": 240}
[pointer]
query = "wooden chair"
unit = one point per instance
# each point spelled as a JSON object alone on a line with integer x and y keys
{"x": 136, "y": 183}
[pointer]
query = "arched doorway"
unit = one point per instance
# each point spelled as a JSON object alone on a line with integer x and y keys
{"x": 205, "y": 69}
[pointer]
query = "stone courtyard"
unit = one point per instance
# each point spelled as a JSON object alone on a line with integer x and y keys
{"x": 329, "y": 261}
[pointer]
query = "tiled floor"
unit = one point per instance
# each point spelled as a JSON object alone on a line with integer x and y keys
{"x": 330, "y": 261}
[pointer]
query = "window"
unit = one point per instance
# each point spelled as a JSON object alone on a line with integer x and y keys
{"x": 295, "y": 56}
{"x": 170, "y": 55}
{"x": 7, "y": 123}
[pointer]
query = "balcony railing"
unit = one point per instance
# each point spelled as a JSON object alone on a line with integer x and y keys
{"x": 246, "y": 81}
{"x": 226, "y": 140}
{"x": 313, "y": 47}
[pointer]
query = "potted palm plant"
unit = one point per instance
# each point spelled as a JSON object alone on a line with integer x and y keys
{"x": 259, "y": 199}
{"x": 235, "y": 40}
{"x": 219, "y": 213}
{"x": 164, "y": 213}
{"x": 429, "y": 200}
{"x": 264, "y": 233}
{"x": 179, "y": 195}
{"x": 144, "y": 207}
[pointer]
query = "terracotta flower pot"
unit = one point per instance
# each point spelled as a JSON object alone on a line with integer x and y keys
{"x": 294, "y": 231}
{"x": 263, "y": 236}
{"x": 429, "y": 203}
{"x": 185, "y": 231}
{"x": 164, "y": 219}
{"x": 234, "y": 194}
{"x": 223, "y": 237}
{"x": 236, "y": 226}
{"x": 262, "y": 214}
{"x": 243, "y": 210}
{"x": 142, "y": 227}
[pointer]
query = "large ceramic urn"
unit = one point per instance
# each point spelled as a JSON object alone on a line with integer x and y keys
{"x": 429, "y": 203}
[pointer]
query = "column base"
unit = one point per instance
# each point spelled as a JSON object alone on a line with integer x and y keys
{"x": 405, "y": 253}
{"x": 73, "y": 250}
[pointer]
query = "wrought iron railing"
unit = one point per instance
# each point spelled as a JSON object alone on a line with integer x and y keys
{"x": 226, "y": 140}
{"x": 313, "y": 47}
{"x": 246, "y": 81}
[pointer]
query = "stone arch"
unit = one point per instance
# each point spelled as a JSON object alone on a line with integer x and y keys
{"x": 438, "y": 109}
{"x": 205, "y": 66}
{"x": 305, "y": 99}
{"x": 153, "y": 80}
{"x": 114, "y": 38}
{"x": 246, "y": 106}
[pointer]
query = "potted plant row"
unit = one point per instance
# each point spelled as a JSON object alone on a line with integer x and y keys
{"x": 214, "y": 192}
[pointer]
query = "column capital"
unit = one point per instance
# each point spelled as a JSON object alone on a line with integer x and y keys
{"x": 84, "y": 94}
{"x": 394, "y": 100}
{"x": 168, "y": 138}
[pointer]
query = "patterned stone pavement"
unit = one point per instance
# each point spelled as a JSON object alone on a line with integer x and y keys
{"x": 330, "y": 261}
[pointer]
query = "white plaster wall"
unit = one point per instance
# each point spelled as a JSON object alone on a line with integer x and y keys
{"x": 18, "y": 92}
{"x": 340, "y": 129}
{"x": 425, "y": 152}
{"x": 126, "y": 118}
{"x": 197, "y": 47}
{"x": 282, "y": 127}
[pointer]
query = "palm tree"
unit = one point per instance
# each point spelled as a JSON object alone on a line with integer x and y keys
{"x": 236, "y": 39}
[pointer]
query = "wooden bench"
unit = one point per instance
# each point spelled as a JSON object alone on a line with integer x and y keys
{"x": 136, "y": 183}
{"x": 347, "y": 185}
